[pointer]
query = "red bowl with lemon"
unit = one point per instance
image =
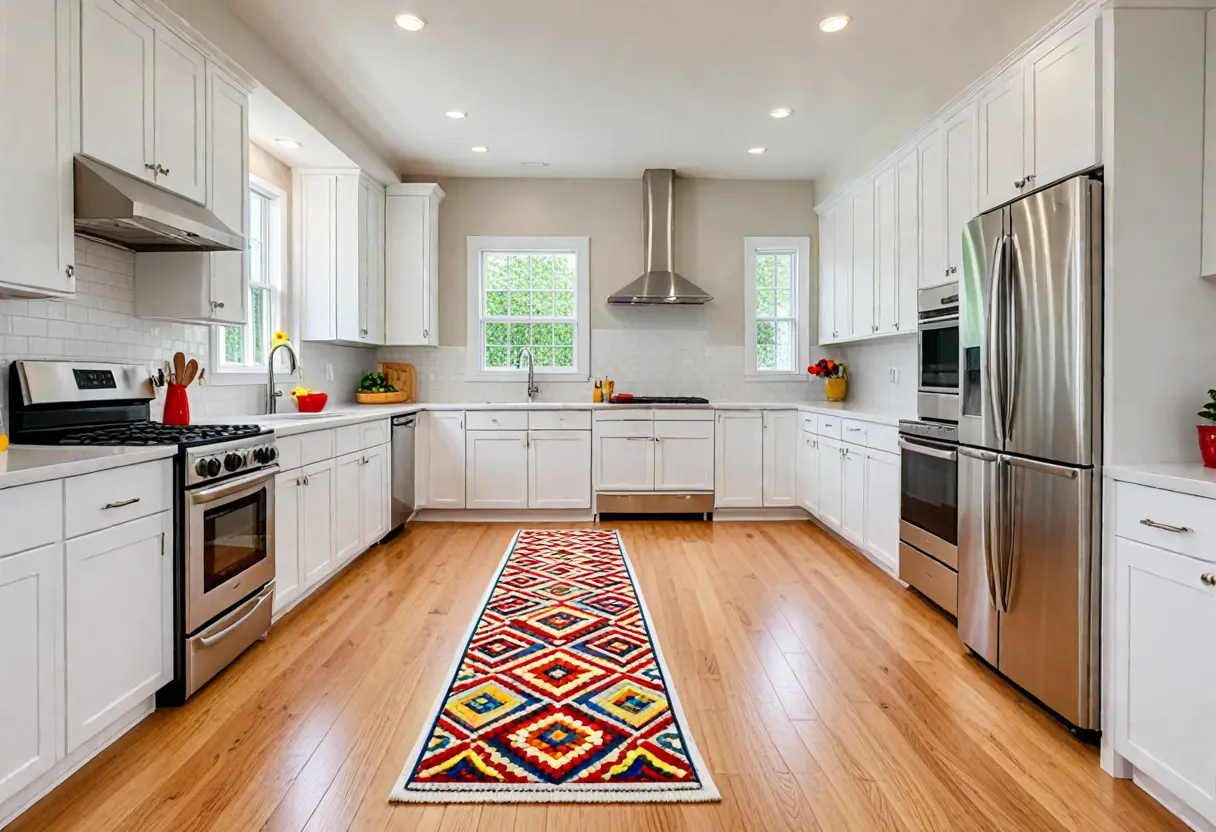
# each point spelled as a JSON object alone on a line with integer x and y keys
{"x": 311, "y": 402}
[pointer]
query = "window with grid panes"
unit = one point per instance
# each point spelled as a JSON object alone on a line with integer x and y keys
{"x": 245, "y": 348}
{"x": 777, "y": 287}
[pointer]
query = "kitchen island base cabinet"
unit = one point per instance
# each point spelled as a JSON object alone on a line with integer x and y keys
{"x": 559, "y": 469}
{"x": 119, "y": 646}
{"x": 31, "y": 696}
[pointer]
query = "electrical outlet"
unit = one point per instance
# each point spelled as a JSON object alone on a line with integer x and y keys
{"x": 329, "y": 371}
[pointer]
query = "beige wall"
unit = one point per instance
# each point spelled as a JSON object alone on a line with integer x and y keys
{"x": 712, "y": 218}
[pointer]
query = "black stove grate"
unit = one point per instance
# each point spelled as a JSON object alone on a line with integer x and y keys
{"x": 154, "y": 433}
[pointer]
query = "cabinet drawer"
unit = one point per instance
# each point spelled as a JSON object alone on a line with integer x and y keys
{"x": 627, "y": 414}
{"x": 681, "y": 415}
{"x": 496, "y": 420}
{"x": 854, "y": 431}
{"x": 809, "y": 422}
{"x": 1138, "y": 505}
{"x": 559, "y": 420}
{"x": 624, "y": 429}
{"x": 305, "y": 449}
{"x": 935, "y": 582}
{"x": 31, "y": 516}
{"x": 353, "y": 438}
{"x": 107, "y": 498}
{"x": 830, "y": 426}
{"x": 883, "y": 438}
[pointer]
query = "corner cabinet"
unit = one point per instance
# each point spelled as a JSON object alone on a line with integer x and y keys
{"x": 37, "y": 242}
{"x": 411, "y": 274}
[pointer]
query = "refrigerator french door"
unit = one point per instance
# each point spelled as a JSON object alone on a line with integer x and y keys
{"x": 1030, "y": 444}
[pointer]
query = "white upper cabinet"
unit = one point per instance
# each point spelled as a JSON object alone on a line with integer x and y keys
{"x": 739, "y": 464}
{"x": 37, "y": 244}
{"x": 180, "y": 116}
{"x": 827, "y": 277}
{"x": 1063, "y": 87}
{"x": 907, "y": 247}
{"x": 1002, "y": 139}
{"x": 886, "y": 253}
{"x": 842, "y": 292}
{"x": 933, "y": 262}
{"x": 411, "y": 273}
{"x": 961, "y": 205}
{"x": 337, "y": 217}
{"x": 863, "y": 263}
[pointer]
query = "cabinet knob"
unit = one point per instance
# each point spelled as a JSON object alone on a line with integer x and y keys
{"x": 162, "y": 171}
{"x": 953, "y": 270}
{"x": 426, "y": 333}
{"x": 897, "y": 324}
{"x": 1029, "y": 178}
{"x": 1019, "y": 183}
{"x": 152, "y": 167}
{"x": 1209, "y": 579}
{"x": 71, "y": 271}
{"x": 216, "y": 305}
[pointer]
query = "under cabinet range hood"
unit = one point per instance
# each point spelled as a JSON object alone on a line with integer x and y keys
{"x": 119, "y": 208}
{"x": 659, "y": 284}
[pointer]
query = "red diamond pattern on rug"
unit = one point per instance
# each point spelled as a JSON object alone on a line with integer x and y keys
{"x": 560, "y": 693}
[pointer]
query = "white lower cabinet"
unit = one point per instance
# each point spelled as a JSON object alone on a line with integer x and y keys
{"x": 624, "y": 453}
{"x": 684, "y": 456}
{"x": 288, "y": 577}
{"x": 808, "y": 472}
{"x": 882, "y": 488}
{"x": 1165, "y": 675}
{"x": 496, "y": 469}
{"x": 31, "y": 695}
{"x": 780, "y": 463}
{"x": 853, "y": 494}
{"x": 318, "y": 529}
{"x": 348, "y": 515}
{"x": 442, "y": 470}
{"x": 831, "y": 485}
{"x": 739, "y": 466}
{"x": 119, "y": 647}
{"x": 559, "y": 469}
{"x": 375, "y": 495}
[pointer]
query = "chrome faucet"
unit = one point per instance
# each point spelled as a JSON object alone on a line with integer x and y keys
{"x": 532, "y": 388}
{"x": 272, "y": 395}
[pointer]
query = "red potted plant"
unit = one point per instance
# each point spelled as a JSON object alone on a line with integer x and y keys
{"x": 1207, "y": 432}
{"x": 835, "y": 375}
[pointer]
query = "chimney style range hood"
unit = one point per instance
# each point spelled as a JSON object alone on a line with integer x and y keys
{"x": 660, "y": 284}
{"x": 118, "y": 208}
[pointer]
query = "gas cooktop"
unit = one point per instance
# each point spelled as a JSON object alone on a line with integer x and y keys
{"x": 154, "y": 433}
{"x": 659, "y": 400}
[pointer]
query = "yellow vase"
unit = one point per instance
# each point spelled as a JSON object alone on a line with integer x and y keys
{"x": 837, "y": 389}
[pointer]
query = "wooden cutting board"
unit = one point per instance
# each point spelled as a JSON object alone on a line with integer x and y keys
{"x": 403, "y": 377}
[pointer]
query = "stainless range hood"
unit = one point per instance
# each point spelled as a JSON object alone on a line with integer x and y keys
{"x": 660, "y": 284}
{"x": 119, "y": 208}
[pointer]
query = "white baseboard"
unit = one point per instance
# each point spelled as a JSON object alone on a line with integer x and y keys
{"x": 758, "y": 515}
{"x": 11, "y": 809}
{"x": 889, "y": 568}
{"x": 1163, "y": 796}
{"x": 488, "y": 516}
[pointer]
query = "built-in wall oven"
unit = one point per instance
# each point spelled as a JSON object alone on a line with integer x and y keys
{"x": 938, "y": 331}
{"x": 928, "y": 513}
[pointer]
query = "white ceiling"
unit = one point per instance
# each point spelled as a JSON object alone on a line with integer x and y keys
{"x": 271, "y": 119}
{"x": 608, "y": 88}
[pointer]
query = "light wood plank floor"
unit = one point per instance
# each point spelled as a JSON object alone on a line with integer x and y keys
{"x": 822, "y": 695}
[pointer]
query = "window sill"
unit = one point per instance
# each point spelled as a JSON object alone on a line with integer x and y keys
{"x": 781, "y": 377}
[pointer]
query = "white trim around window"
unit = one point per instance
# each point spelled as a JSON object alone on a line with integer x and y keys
{"x": 786, "y": 309}
{"x": 553, "y": 316}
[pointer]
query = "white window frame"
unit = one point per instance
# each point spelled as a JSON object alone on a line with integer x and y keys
{"x": 801, "y": 248}
{"x": 474, "y": 346}
{"x": 276, "y": 249}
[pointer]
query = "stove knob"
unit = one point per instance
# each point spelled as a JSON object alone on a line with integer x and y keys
{"x": 232, "y": 462}
{"x": 201, "y": 468}
{"x": 260, "y": 456}
{"x": 213, "y": 467}
{"x": 272, "y": 453}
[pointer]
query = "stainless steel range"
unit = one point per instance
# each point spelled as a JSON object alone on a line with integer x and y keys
{"x": 223, "y": 510}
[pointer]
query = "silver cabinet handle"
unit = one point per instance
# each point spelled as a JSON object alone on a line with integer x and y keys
{"x": 1020, "y": 183}
{"x": 639, "y": 439}
{"x": 120, "y": 504}
{"x": 1165, "y": 527}
{"x": 854, "y": 430}
{"x": 1208, "y": 578}
{"x": 162, "y": 171}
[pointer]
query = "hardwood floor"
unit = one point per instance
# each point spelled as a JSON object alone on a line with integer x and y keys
{"x": 822, "y": 695}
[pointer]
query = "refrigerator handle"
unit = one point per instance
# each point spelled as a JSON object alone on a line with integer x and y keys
{"x": 989, "y": 505}
{"x": 1012, "y": 260}
{"x": 1062, "y": 471}
{"x": 994, "y": 342}
{"x": 1008, "y": 531}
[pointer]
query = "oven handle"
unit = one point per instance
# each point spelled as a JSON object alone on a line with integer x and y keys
{"x": 210, "y": 495}
{"x": 263, "y": 596}
{"x": 951, "y": 322}
{"x": 928, "y": 450}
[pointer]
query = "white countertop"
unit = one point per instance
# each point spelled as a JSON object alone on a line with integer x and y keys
{"x": 25, "y": 464}
{"x": 1184, "y": 477}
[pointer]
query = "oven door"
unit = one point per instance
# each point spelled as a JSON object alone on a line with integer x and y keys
{"x": 928, "y": 500}
{"x": 939, "y": 356}
{"x": 229, "y": 544}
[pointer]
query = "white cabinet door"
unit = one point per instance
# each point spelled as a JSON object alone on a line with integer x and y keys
{"x": 375, "y": 494}
{"x": 684, "y": 456}
{"x": 831, "y": 471}
{"x": 863, "y": 262}
{"x": 882, "y": 506}
{"x": 348, "y": 507}
{"x": 808, "y": 472}
{"x": 853, "y": 493}
{"x": 411, "y": 265}
{"x": 559, "y": 469}
{"x": 228, "y": 191}
{"x": 119, "y": 641}
{"x": 842, "y": 292}
{"x": 827, "y": 277}
{"x": 316, "y": 242}
{"x": 31, "y": 665}
{"x": 1002, "y": 144}
{"x": 288, "y": 583}
{"x": 496, "y": 469}
{"x": 739, "y": 459}
{"x": 886, "y": 247}
{"x": 371, "y": 252}
{"x": 624, "y": 456}
{"x": 37, "y": 244}
{"x": 933, "y": 264}
{"x": 317, "y": 531}
{"x": 1062, "y": 91}
{"x": 180, "y": 116}
{"x": 445, "y": 468}
{"x": 117, "y": 48}
{"x": 960, "y": 185}
{"x": 780, "y": 461}
{"x": 1165, "y": 675}
{"x": 907, "y": 223}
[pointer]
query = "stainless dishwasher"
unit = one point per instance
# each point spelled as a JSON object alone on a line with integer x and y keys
{"x": 404, "y": 428}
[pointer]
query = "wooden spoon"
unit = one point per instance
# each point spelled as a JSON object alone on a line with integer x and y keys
{"x": 191, "y": 372}
{"x": 169, "y": 373}
{"x": 179, "y": 367}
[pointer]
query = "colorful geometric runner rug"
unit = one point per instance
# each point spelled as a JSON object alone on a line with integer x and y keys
{"x": 560, "y": 694}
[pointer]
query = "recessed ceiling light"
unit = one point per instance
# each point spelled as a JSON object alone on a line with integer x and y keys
{"x": 410, "y": 22}
{"x": 290, "y": 144}
{"x": 756, "y": 151}
{"x": 834, "y": 23}
{"x": 456, "y": 114}
{"x": 481, "y": 149}
{"x": 781, "y": 112}
{"x": 534, "y": 164}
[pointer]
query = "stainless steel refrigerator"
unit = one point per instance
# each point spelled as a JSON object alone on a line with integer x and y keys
{"x": 1030, "y": 444}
